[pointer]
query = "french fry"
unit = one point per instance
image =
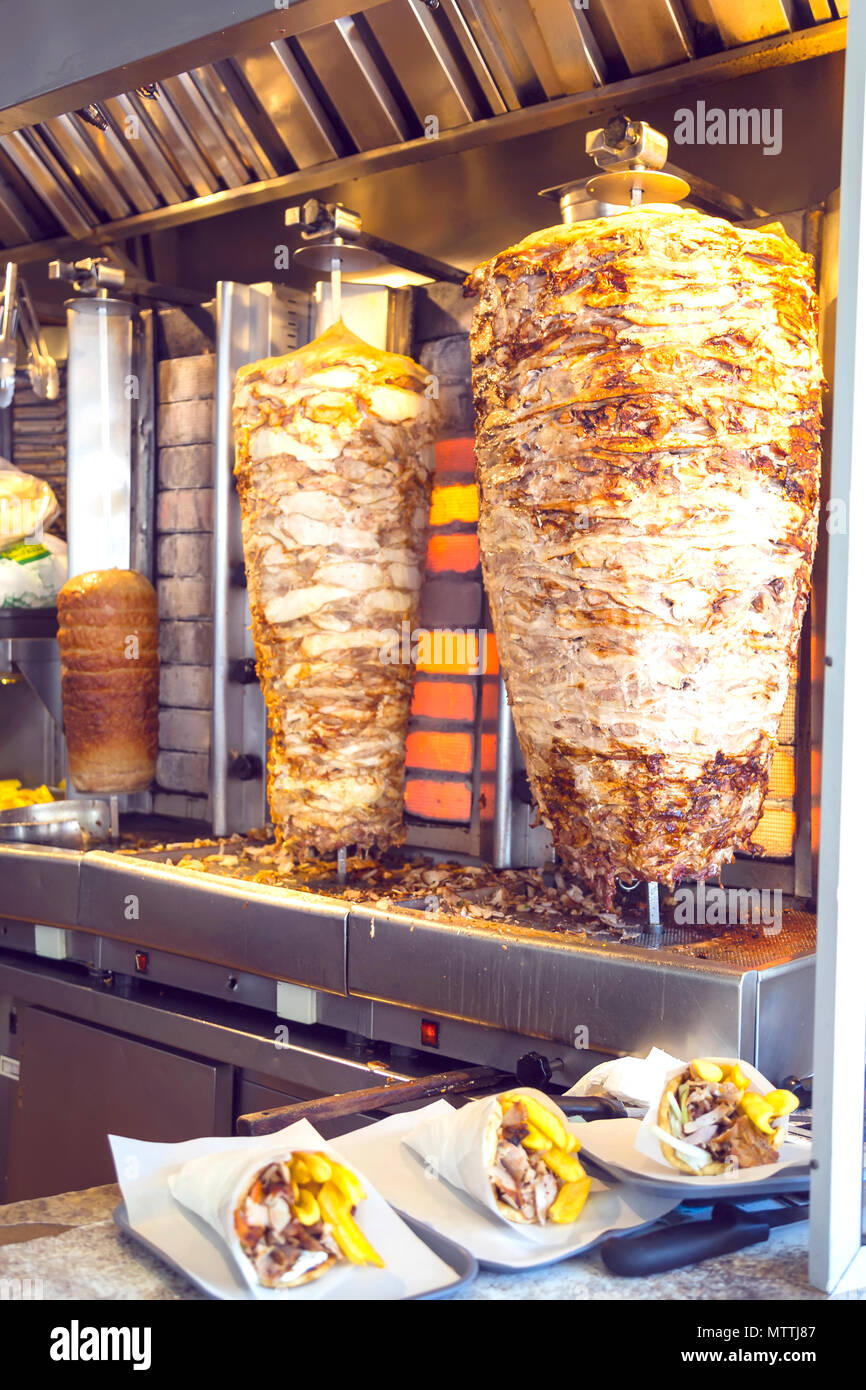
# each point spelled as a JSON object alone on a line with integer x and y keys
{"x": 307, "y": 1208}
{"x": 564, "y": 1165}
{"x": 573, "y": 1143}
{"x": 703, "y": 1069}
{"x": 535, "y": 1140}
{"x": 550, "y": 1125}
{"x": 319, "y": 1166}
{"x": 346, "y": 1232}
{"x": 570, "y": 1202}
{"x": 348, "y": 1183}
{"x": 300, "y": 1171}
{"x": 782, "y": 1102}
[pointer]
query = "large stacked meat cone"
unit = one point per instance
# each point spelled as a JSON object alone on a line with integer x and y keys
{"x": 108, "y": 635}
{"x": 648, "y": 395}
{"x": 334, "y": 477}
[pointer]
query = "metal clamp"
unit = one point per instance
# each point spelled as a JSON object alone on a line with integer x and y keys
{"x": 633, "y": 155}
{"x": 18, "y": 314}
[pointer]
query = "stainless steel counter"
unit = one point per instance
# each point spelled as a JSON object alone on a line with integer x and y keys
{"x": 376, "y": 970}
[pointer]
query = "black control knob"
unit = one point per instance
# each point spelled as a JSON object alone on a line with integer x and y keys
{"x": 245, "y": 766}
{"x": 534, "y": 1069}
{"x": 243, "y": 672}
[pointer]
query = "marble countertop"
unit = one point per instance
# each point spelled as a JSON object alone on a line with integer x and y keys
{"x": 71, "y": 1246}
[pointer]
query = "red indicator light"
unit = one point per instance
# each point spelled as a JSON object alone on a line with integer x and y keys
{"x": 141, "y": 962}
{"x": 429, "y": 1033}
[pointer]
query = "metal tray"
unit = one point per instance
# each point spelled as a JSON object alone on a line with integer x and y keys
{"x": 61, "y": 824}
{"x": 465, "y": 1267}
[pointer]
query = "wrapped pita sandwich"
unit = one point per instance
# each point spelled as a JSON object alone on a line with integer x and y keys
{"x": 287, "y": 1217}
{"x": 514, "y": 1153}
{"x": 713, "y": 1119}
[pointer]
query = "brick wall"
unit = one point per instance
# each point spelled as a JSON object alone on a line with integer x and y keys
{"x": 184, "y": 560}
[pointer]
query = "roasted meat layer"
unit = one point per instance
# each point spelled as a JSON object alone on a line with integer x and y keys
{"x": 520, "y": 1177}
{"x": 648, "y": 396}
{"x": 334, "y": 480}
{"x": 281, "y": 1248}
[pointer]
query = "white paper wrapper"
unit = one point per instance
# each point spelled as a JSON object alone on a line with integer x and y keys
{"x": 636, "y": 1081}
{"x": 214, "y": 1184}
{"x": 647, "y": 1143}
{"x": 188, "y": 1240}
{"x": 459, "y": 1146}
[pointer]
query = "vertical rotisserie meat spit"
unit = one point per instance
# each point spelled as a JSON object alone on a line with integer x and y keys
{"x": 334, "y": 476}
{"x": 648, "y": 402}
{"x": 108, "y": 635}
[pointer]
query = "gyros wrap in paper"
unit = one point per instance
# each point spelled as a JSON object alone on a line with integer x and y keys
{"x": 460, "y": 1146}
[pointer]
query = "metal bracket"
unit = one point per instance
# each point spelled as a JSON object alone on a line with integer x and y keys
{"x": 331, "y": 232}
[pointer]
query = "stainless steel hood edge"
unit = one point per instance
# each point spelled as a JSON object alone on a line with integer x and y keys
{"x": 783, "y": 50}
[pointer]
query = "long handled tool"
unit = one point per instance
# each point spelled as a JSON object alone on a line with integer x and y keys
{"x": 669, "y": 1247}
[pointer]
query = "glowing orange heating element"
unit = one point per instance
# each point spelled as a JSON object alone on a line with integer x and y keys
{"x": 444, "y": 700}
{"x": 433, "y": 800}
{"x": 439, "y": 751}
{"x": 456, "y": 503}
{"x": 458, "y": 553}
{"x": 455, "y": 653}
{"x": 455, "y": 456}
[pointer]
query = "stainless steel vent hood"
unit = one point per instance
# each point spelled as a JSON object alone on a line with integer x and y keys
{"x": 285, "y": 100}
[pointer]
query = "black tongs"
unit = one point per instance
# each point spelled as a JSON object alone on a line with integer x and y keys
{"x": 729, "y": 1228}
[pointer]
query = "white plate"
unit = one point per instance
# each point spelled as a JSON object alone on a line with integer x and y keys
{"x": 611, "y": 1143}
{"x": 412, "y": 1268}
{"x": 401, "y": 1177}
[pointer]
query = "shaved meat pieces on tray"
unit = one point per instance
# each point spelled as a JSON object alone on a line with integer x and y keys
{"x": 334, "y": 477}
{"x": 648, "y": 402}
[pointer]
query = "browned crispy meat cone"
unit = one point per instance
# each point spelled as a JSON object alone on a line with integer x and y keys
{"x": 108, "y": 635}
{"x": 334, "y": 479}
{"x": 648, "y": 399}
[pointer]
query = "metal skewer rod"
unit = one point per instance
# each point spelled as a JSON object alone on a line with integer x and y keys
{"x": 336, "y": 288}
{"x": 341, "y": 866}
{"x": 114, "y": 817}
{"x": 654, "y": 915}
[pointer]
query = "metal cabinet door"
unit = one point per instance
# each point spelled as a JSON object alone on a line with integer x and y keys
{"x": 79, "y": 1083}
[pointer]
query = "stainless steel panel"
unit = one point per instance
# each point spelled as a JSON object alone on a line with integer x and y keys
{"x": 345, "y": 68}
{"x": 40, "y": 885}
{"x": 540, "y": 118}
{"x": 205, "y": 126}
{"x": 128, "y": 113}
{"x": 307, "y": 1060}
{"x": 177, "y": 972}
{"x": 49, "y": 62}
{"x": 474, "y": 56}
{"x": 170, "y": 133}
{"x": 652, "y": 34}
{"x": 117, "y": 154}
{"x": 544, "y": 986}
{"x": 294, "y": 110}
{"x": 745, "y": 21}
{"x": 434, "y": 88}
{"x": 67, "y": 135}
{"x": 244, "y": 926}
{"x": 45, "y": 176}
{"x": 28, "y": 736}
{"x": 487, "y": 1047}
{"x": 820, "y": 10}
{"x": 252, "y": 322}
{"x": 16, "y": 223}
{"x": 214, "y": 93}
{"x": 574, "y": 57}
{"x": 785, "y": 1020}
{"x": 79, "y": 1083}
{"x": 497, "y": 32}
